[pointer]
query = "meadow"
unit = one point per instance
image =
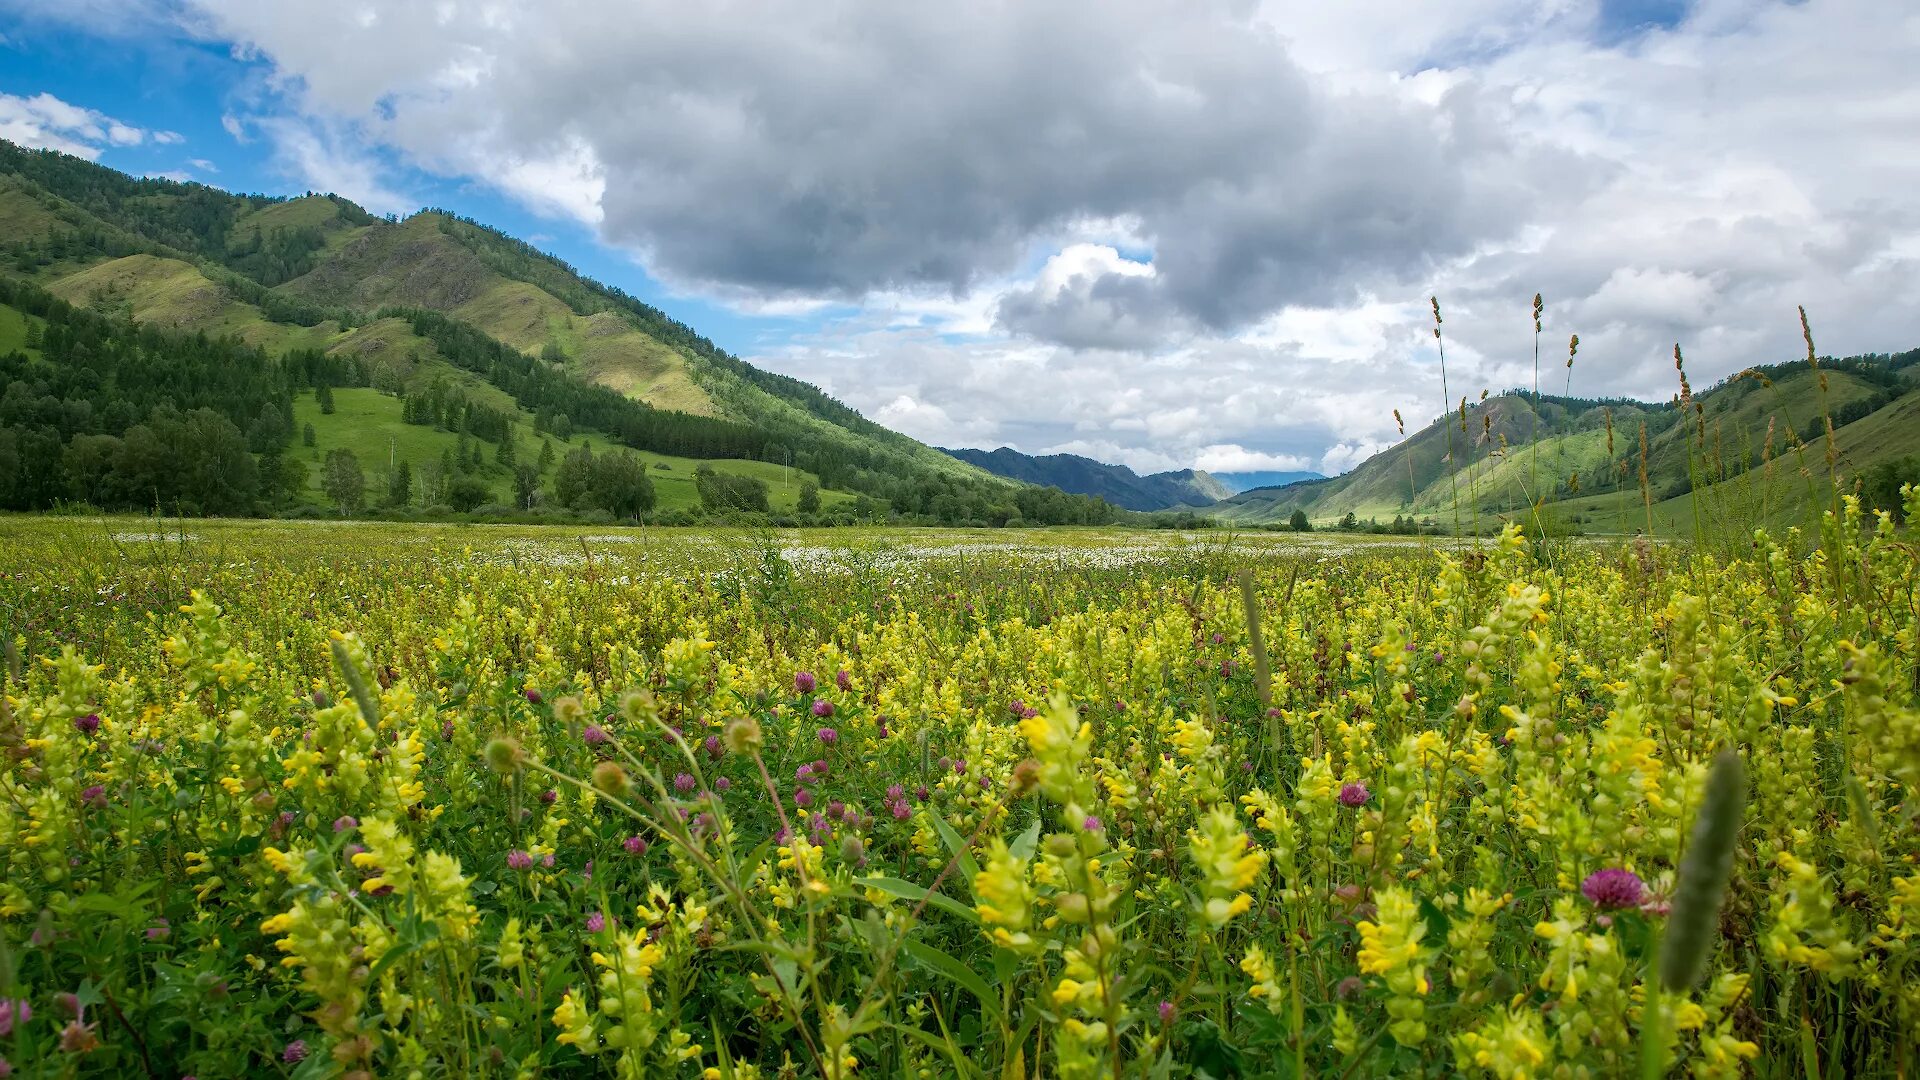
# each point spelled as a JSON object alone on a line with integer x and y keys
{"x": 320, "y": 799}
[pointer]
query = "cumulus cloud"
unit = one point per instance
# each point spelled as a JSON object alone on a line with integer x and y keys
{"x": 1234, "y": 458}
{"x": 1090, "y": 297}
{"x": 328, "y": 158}
{"x": 843, "y": 148}
{"x": 48, "y": 123}
{"x": 1159, "y": 230}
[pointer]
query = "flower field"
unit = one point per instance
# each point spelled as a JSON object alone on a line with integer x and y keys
{"x": 357, "y": 800}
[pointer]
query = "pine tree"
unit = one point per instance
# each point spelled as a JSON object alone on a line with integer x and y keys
{"x": 400, "y": 486}
{"x": 306, "y": 435}
{"x": 325, "y": 396}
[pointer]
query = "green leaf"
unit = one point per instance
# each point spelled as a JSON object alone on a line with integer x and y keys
{"x": 245, "y": 845}
{"x": 1027, "y": 842}
{"x": 907, "y": 890}
{"x": 944, "y": 964}
{"x": 958, "y": 845}
{"x": 961, "y": 1065}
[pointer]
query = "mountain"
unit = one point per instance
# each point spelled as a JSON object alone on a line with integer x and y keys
{"x": 1116, "y": 484}
{"x": 436, "y": 312}
{"x": 1237, "y": 482}
{"x": 1742, "y": 451}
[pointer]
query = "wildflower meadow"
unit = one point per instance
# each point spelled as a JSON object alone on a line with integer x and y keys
{"x": 318, "y": 800}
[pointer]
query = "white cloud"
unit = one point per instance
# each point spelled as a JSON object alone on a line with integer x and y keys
{"x": 1169, "y": 233}
{"x": 926, "y": 422}
{"x": 1232, "y": 458}
{"x": 203, "y": 165}
{"x": 1345, "y": 455}
{"x": 328, "y": 159}
{"x": 46, "y": 122}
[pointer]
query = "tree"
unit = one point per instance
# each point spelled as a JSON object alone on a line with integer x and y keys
{"x": 324, "y": 395}
{"x": 526, "y": 486}
{"x": 343, "y": 481}
{"x": 574, "y": 476}
{"x": 1299, "y": 523}
{"x": 282, "y": 477}
{"x": 504, "y": 452}
{"x": 809, "y": 502}
{"x": 217, "y": 473}
{"x": 546, "y": 455}
{"x": 307, "y": 435}
{"x": 268, "y": 431}
{"x": 621, "y": 485}
{"x": 89, "y": 467}
{"x": 467, "y": 492}
{"x": 400, "y": 485}
{"x": 723, "y": 492}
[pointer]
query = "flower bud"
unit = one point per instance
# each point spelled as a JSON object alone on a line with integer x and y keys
{"x": 612, "y": 778}
{"x": 743, "y": 735}
{"x": 504, "y": 755}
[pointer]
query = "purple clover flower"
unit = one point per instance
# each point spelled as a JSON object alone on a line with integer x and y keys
{"x": 13, "y": 1012}
{"x": 1614, "y": 888}
{"x": 803, "y": 682}
{"x": 1354, "y": 794}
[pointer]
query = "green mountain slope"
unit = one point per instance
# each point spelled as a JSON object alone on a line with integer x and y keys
{"x": 1581, "y": 460}
{"x": 436, "y": 305}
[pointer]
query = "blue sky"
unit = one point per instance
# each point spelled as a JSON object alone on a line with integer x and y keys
{"x": 1166, "y": 234}
{"x": 176, "y": 83}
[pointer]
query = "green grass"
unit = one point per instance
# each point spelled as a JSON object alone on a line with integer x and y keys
{"x": 368, "y": 422}
{"x": 13, "y": 331}
{"x": 312, "y": 211}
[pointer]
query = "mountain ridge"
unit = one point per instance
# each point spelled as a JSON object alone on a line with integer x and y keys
{"x": 1117, "y": 484}
{"x": 317, "y": 273}
{"x": 1578, "y": 461}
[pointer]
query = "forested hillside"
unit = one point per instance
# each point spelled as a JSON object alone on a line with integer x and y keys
{"x": 462, "y": 330}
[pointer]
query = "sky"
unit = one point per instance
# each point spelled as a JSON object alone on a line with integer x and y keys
{"x": 1166, "y": 234}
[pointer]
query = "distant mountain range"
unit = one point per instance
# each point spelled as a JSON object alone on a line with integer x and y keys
{"x": 1238, "y": 482}
{"x": 1116, "y": 484}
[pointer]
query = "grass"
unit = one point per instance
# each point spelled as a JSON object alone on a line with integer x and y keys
{"x": 414, "y": 263}
{"x": 13, "y": 331}
{"x": 175, "y": 294}
{"x": 368, "y": 422}
{"x": 26, "y": 218}
{"x": 602, "y": 348}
